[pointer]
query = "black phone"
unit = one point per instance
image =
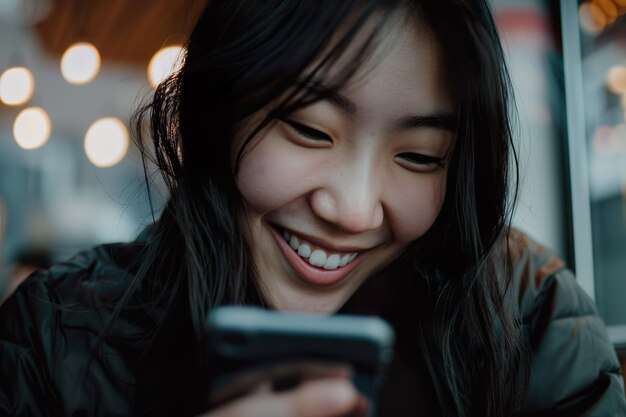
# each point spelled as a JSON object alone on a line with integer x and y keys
{"x": 247, "y": 344}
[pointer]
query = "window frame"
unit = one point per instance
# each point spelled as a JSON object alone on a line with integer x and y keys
{"x": 576, "y": 156}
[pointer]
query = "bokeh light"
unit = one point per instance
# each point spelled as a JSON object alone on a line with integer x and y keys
{"x": 163, "y": 63}
{"x": 106, "y": 142}
{"x": 31, "y": 129}
{"x": 616, "y": 79}
{"x": 608, "y": 8}
{"x": 80, "y": 63}
{"x": 17, "y": 85}
{"x": 592, "y": 18}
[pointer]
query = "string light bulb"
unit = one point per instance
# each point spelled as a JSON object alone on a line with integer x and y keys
{"x": 32, "y": 127}
{"x": 106, "y": 142}
{"x": 17, "y": 85}
{"x": 595, "y": 15}
{"x": 80, "y": 63}
{"x": 163, "y": 63}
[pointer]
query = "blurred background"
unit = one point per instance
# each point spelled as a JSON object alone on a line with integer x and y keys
{"x": 71, "y": 74}
{"x": 73, "y": 71}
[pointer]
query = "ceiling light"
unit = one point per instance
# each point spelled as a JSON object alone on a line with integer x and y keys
{"x": 163, "y": 63}
{"x": 31, "y": 128}
{"x": 106, "y": 142}
{"x": 16, "y": 86}
{"x": 80, "y": 63}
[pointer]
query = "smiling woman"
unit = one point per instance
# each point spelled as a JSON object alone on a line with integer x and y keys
{"x": 358, "y": 175}
{"x": 322, "y": 157}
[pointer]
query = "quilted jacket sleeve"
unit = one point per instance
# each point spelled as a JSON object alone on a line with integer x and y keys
{"x": 575, "y": 370}
{"x": 26, "y": 328}
{"x": 48, "y": 329}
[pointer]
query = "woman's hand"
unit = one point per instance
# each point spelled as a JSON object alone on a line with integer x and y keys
{"x": 314, "y": 390}
{"x": 328, "y": 397}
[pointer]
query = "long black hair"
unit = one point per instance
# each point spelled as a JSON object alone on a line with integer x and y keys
{"x": 244, "y": 55}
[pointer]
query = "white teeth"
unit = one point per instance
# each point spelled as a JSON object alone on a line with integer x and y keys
{"x": 332, "y": 262}
{"x": 294, "y": 243}
{"x": 304, "y": 251}
{"x": 317, "y": 258}
{"x": 344, "y": 260}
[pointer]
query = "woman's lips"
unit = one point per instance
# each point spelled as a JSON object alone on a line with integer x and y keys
{"x": 310, "y": 273}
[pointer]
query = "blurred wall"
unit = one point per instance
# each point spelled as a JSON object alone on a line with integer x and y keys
{"x": 531, "y": 40}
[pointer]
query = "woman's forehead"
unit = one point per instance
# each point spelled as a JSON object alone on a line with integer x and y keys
{"x": 404, "y": 73}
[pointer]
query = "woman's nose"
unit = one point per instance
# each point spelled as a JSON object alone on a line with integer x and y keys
{"x": 351, "y": 200}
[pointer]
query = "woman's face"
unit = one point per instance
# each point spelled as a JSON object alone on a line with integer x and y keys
{"x": 338, "y": 190}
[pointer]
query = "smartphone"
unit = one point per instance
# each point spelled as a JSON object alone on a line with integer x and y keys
{"x": 248, "y": 344}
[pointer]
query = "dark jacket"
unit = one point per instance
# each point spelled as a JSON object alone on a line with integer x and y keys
{"x": 51, "y": 324}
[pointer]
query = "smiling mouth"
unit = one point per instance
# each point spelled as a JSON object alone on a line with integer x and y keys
{"x": 314, "y": 264}
{"x": 317, "y": 256}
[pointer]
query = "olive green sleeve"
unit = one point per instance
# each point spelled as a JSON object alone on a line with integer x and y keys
{"x": 574, "y": 367}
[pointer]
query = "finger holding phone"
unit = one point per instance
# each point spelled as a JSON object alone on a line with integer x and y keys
{"x": 324, "y": 397}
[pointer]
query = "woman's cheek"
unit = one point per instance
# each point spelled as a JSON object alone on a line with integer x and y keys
{"x": 275, "y": 173}
{"x": 415, "y": 204}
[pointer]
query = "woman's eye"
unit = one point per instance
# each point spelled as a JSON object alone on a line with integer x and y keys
{"x": 423, "y": 161}
{"x": 306, "y": 131}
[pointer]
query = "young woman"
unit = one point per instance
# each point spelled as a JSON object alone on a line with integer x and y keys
{"x": 322, "y": 156}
